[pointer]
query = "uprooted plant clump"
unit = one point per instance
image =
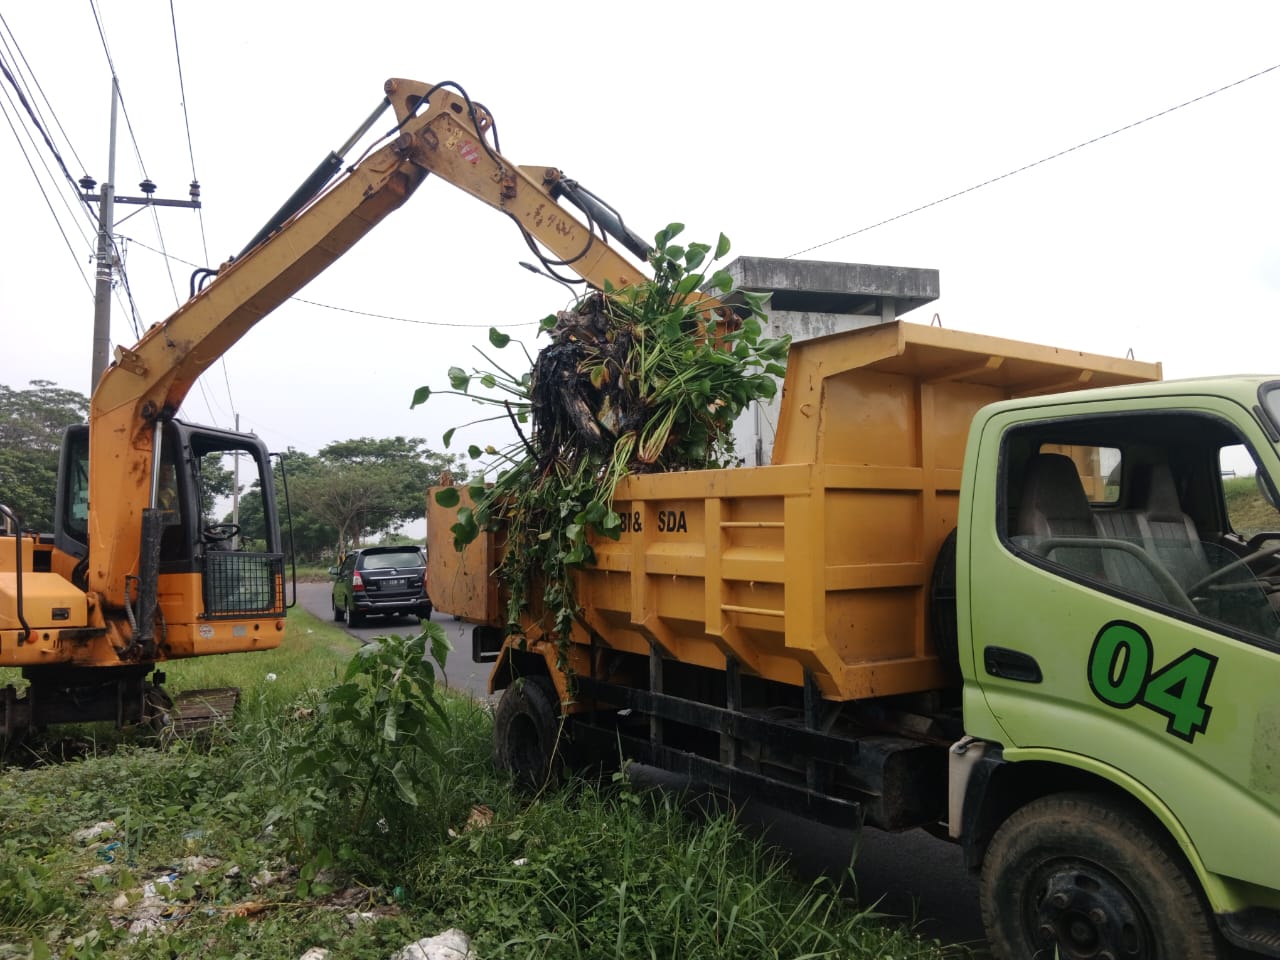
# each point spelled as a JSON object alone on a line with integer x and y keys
{"x": 644, "y": 379}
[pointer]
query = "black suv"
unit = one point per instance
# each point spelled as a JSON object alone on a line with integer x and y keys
{"x": 381, "y": 580}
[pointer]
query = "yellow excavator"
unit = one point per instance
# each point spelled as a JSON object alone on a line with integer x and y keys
{"x": 135, "y": 573}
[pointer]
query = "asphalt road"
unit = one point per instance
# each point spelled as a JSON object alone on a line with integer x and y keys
{"x": 460, "y": 672}
{"x": 912, "y": 876}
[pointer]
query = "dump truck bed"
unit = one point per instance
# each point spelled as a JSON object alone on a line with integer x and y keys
{"x": 820, "y": 561}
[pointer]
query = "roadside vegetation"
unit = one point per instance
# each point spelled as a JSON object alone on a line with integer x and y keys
{"x": 353, "y": 806}
{"x": 1249, "y": 512}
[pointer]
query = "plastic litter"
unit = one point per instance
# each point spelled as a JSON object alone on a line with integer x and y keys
{"x": 106, "y": 853}
{"x": 151, "y": 887}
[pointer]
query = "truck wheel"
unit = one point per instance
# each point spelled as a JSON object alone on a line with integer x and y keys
{"x": 338, "y": 614}
{"x": 942, "y": 604}
{"x": 526, "y": 733}
{"x": 354, "y": 617}
{"x": 1072, "y": 876}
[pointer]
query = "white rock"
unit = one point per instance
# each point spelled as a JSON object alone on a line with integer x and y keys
{"x": 92, "y": 833}
{"x": 315, "y": 953}
{"x": 450, "y": 945}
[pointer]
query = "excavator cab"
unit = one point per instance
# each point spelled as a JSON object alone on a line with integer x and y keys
{"x": 239, "y": 566}
{"x": 200, "y": 585}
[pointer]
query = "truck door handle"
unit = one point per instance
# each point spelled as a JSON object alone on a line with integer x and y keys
{"x": 1011, "y": 665}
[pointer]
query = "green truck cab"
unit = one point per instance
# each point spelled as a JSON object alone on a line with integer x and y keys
{"x": 1118, "y": 637}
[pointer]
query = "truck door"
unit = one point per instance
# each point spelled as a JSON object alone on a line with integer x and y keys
{"x": 1123, "y": 609}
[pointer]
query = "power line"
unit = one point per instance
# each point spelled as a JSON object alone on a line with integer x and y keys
{"x": 195, "y": 180}
{"x": 53, "y": 177}
{"x": 424, "y": 323}
{"x": 48, "y": 202}
{"x": 31, "y": 73}
{"x": 359, "y": 313}
{"x": 1022, "y": 169}
{"x": 22, "y": 98}
{"x": 186, "y": 119}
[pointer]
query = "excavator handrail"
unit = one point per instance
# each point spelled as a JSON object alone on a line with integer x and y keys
{"x": 8, "y": 514}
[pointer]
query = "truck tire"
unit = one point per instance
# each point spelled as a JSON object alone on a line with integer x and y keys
{"x": 338, "y": 613}
{"x": 354, "y": 617}
{"x": 526, "y": 733}
{"x": 943, "y": 627}
{"x": 1078, "y": 875}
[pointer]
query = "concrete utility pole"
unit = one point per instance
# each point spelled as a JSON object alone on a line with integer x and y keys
{"x": 107, "y": 200}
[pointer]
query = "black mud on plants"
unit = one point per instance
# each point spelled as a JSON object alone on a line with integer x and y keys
{"x": 637, "y": 380}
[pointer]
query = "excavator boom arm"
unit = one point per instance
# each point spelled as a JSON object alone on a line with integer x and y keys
{"x": 437, "y": 132}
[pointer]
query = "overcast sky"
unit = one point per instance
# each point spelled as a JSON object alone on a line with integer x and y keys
{"x": 781, "y": 125}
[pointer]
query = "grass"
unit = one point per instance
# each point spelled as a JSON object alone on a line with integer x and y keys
{"x": 1249, "y": 512}
{"x": 591, "y": 870}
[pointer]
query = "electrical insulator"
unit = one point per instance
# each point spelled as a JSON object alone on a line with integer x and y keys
{"x": 147, "y": 187}
{"x": 195, "y": 189}
{"x": 87, "y": 183}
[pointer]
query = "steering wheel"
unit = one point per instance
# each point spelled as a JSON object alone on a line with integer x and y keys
{"x": 218, "y": 532}
{"x": 1245, "y": 561}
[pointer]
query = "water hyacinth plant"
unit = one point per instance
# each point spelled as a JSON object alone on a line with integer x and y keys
{"x": 643, "y": 379}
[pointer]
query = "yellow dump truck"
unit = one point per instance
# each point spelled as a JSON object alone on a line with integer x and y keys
{"x": 993, "y": 589}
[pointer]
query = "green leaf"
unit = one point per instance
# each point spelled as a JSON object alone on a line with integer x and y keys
{"x": 721, "y": 280}
{"x": 448, "y": 497}
{"x": 421, "y": 395}
{"x": 498, "y": 338}
{"x": 448, "y": 437}
{"x": 474, "y": 452}
{"x": 403, "y": 779}
{"x": 665, "y": 235}
{"x": 458, "y": 379}
{"x": 688, "y": 284}
{"x": 440, "y": 645}
{"x": 775, "y": 369}
{"x": 722, "y": 246}
{"x": 489, "y": 381}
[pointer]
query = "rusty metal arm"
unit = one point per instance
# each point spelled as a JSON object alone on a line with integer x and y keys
{"x": 450, "y": 136}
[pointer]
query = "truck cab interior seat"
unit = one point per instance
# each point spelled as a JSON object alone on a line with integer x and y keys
{"x": 1053, "y": 504}
{"x": 1168, "y": 533}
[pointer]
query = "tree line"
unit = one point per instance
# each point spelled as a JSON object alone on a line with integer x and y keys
{"x": 348, "y": 491}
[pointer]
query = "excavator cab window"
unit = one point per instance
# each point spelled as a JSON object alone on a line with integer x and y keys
{"x": 240, "y": 577}
{"x": 71, "y": 509}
